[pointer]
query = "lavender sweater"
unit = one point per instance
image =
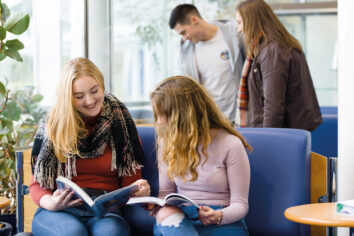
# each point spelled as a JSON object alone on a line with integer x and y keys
{"x": 223, "y": 180}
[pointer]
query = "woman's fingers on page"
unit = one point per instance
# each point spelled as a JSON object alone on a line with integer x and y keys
{"x": 205, "y": 211}
{"x": 68, "y": 197}
{"x": 207, "y": 215}
{"x": 76, "y": 202}
{"x": 61, "y": 195}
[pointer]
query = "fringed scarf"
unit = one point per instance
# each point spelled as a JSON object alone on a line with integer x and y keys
{"x": 114, "y": 127}
{"x": 242, "y": 95}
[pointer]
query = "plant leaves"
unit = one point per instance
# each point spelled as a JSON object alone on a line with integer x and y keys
{"x": 2, "y": 56}
{"x": 2, "y": 89}
{"x": 14, "y": 44}
{"x": 2, "y": 33}
{"x": 4, "y": 131}
{"x": 4, "y": 139}
{"x": 5, "y": 11}
{"x": 12, "y": 111}
{"x": 4, "y": 173}
{"x": 12, "y": 53}
{"x": 37, "y": 98}
{"x": 18, "y": 23}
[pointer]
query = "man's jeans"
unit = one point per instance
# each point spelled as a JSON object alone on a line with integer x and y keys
{"x": 189, "y": 225}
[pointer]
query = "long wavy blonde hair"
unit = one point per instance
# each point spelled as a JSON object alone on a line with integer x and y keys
{"x": 259, "y": 21}
{"x": 190, "y": 112}
{"x": 65, "y": 125}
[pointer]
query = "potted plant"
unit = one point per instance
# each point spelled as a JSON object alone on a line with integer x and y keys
{"x": 10, "y": 111}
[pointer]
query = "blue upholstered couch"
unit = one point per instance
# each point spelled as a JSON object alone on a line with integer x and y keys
{"x": 325, "y": 136}
{"x": 280, "y": 178}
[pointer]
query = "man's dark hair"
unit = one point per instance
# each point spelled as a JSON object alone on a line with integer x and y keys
{"x": 181, "y": 13}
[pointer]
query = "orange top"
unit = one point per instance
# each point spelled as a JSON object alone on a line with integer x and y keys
{"x": 322, "y": 214}
{"x": 91, "y": 173}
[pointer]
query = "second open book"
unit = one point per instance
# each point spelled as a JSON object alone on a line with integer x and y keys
{"x": 174, "y": 199}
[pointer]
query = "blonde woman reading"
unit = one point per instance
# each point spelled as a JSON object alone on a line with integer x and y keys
{"x": 90, "y": 138}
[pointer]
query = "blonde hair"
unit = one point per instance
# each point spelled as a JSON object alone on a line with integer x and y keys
{"x": 65, "y": 125}
{"x": 190, "y": 112}
{"x": 259, "y": 21}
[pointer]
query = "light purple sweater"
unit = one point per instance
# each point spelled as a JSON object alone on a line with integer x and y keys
{"x": 223, "y": 180}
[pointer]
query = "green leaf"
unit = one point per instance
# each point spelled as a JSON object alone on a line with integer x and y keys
{"x": 14, "y": 44}
{"x": 2, "y": 89}
{"x": 5, "y": 11}
{"x": 2, "y": 162}
{"x": 6, "y": 123}
{"x": 18, "y": 23}
{"x": 4, "y": 139}
{"x": 37, "y": 98}
{"x": 2, "y": 56}
{"x": 4, "y": 173}
{"x": 2, "y": 153}
{"x": 2, "y": 33}
{"x": 10, "y": 52}
{"x": 4, "y": 131}
{"x": 12, "y": 111}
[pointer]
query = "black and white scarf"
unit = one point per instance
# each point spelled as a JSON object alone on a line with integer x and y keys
{"x": 114, "y": 127}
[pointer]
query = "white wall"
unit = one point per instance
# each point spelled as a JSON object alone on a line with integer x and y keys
{"x": 345, "y": 102}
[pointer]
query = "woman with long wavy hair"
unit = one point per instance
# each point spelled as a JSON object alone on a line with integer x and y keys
{"x": 201, "y": 156}
{"x": 276, "y": 88}
{"x": 90, "y": 138}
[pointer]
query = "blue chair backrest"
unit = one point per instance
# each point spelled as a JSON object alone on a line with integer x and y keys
{"x": 325, "y": 136}
{"x": 280, "y": 176}
{"x": 149, "y": 171}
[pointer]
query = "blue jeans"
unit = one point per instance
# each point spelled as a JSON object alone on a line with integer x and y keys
{"x": 191, "y": 225}
{"x": 67, "y": 222}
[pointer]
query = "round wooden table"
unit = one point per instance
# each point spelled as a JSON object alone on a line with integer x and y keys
{"x": 4, "y": 202}
{"x": 322, "y": 214}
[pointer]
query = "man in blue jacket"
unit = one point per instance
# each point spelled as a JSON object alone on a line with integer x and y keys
{"x": 211, "y": 53}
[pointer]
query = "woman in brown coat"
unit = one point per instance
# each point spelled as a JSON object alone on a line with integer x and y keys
{"x": 276, "y": 88}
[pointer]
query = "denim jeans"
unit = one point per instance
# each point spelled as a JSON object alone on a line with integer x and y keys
{"x": 69, "y": 223}
{"x": 191, "y": 225}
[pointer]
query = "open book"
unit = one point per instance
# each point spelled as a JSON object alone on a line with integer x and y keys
{"x": 174, "y": 199}
{"x": 103, "y": 203}
{"x": 345, "y": 207}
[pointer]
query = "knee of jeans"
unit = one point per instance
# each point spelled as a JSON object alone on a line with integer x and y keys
{"x": 165, "y": 212}
{"x": 172, "y": 220}
{"x": 110, "y": 226}
{"x": 38, "y": 228}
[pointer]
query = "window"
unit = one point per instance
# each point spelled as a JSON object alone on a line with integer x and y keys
{"x": 54, "y": 36}
{"x": 131, "y": 43}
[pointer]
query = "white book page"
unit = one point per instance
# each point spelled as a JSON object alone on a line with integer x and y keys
{"x": 154, "y": 200}
{"x": 175, "y": 197}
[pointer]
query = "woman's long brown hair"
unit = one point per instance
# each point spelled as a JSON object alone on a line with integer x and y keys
{"x": 259, "y": 21}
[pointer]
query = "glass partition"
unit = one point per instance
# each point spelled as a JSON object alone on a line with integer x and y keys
{"x": 55, "y": 35}
{"x": 131, "y": 43}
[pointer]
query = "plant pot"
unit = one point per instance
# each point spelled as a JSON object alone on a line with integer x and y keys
{"x": 11, "y": 220}
{"x": 6, "y": 229}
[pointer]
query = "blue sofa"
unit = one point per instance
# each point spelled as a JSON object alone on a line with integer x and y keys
{"x": 325, "y": 136}
{"x": 280, "y": 178}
